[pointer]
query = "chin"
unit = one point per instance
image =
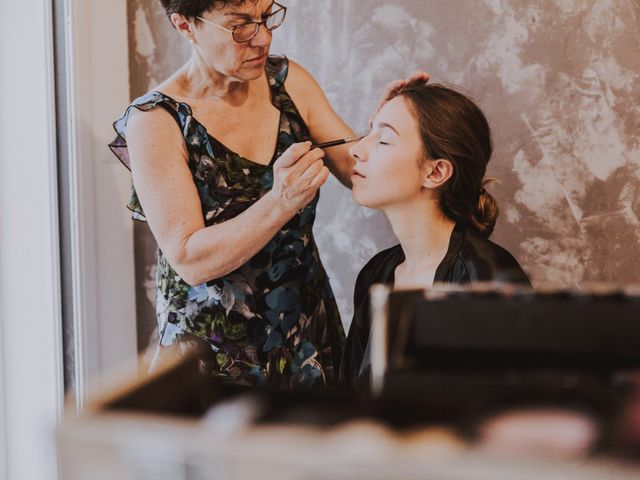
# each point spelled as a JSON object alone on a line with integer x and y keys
{"x": 255, "y": 74}
{"x": 364, "y": 200}
{"x": 247, "y": 73}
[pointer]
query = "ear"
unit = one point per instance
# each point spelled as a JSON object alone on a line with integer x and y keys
{"x": 436, "y": 173}
{"x": 183, "y": 26}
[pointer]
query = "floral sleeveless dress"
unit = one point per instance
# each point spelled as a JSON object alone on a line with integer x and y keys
{"x": 273, "y": 321}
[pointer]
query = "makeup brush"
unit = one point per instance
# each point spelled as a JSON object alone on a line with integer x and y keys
{"x": 334, "y": 143}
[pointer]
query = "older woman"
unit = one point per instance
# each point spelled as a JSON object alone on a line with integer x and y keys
{"x": 225, "y": 177}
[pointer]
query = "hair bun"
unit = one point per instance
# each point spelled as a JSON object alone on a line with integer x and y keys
{"x": 486, "y": 213}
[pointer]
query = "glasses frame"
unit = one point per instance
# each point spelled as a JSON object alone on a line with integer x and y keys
{"x": 257, "y": 24}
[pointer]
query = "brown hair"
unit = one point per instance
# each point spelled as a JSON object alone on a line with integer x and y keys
{"x": 195, "y": 8}
{"x": 453, "y": 128}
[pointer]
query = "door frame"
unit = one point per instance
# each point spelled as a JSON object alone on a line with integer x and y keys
{"x": 93, "y": 78}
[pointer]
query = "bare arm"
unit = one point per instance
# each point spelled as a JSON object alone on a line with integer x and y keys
{"x": 171, "y": 204}
{"x": 324, "y": 123}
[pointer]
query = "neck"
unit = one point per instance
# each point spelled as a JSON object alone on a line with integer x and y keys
{"x": 201, "y": 81}
{"x": 423, "y": 230}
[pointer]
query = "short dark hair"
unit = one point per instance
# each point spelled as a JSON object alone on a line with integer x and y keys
{"x": 195, "y": 8}
{"x": 453, "y": 128}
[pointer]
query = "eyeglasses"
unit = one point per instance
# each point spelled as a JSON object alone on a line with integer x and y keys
{"x": 245, "y": 32}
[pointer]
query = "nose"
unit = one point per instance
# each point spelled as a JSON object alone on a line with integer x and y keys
{"x": 262, "y": 38}
{"x": 358, "y": 151}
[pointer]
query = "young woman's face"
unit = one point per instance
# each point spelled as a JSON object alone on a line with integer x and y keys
{"x": 242, "y": 61}
{"x": 388, "y": 166}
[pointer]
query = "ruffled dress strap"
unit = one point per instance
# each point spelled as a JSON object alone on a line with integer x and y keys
{"x": 179, "y": 111}
{"x": 277, "y": 69}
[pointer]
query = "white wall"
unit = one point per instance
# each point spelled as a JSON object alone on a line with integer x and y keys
{"x": 30, "y": 345}
{"x": 96, "y": 72}
{"x": 102, "y": 250}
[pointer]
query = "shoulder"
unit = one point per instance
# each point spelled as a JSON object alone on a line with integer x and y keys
{"x": 149, "y": 129}
{"x": 490, "y": 261}
{"x": 286, "y": 72}
{"x": 302, "y": 87}
{"x": 382, "y": 258}
{"x": 161, "y": 115}
{"x": 154, "y": 99}
{"x": 290, "y": 71}
{"x": 379, "y": 268}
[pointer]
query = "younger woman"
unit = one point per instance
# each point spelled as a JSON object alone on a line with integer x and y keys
{"x": 423, "y": 165}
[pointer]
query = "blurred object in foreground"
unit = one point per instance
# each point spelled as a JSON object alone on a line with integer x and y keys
{"x": 465, "y": 396}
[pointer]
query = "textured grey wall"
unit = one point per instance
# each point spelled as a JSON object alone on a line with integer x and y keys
{"x": 558, "y": 79}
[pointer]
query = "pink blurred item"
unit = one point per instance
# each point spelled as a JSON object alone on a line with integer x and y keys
{"x": 540, "y": 431}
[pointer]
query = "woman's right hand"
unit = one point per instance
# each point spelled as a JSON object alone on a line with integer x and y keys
{"x": 297, "y": 175}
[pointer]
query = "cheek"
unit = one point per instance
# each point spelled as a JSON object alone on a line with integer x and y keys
{"x": 396, "y": 170}
{"x": 225, "y": 52}
{"x": 389, "y": 180}
{"x": 395, "y": 186}
{"x": 217, "y": 50}
{"x": 234, "y": 52}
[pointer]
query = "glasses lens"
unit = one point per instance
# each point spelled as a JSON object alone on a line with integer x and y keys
{"x": 246, "y": 32}
{"x": 275, "y": 19}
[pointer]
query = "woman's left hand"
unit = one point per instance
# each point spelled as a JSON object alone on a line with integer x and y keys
{"x": 394, "y": 87}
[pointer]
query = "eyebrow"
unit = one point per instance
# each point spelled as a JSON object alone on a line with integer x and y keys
{"x": 387, "y": 125}
{"x": 247, "y": 16}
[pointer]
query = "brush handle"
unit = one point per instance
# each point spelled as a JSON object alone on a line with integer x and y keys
{"x": 334, "y": 143}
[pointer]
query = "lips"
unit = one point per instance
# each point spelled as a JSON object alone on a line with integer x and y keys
{"x": 356, "y": 173}
{"x": 258, "y": 59}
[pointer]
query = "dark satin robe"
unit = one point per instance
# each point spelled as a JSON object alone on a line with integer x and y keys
{"x": 469, "y": 258}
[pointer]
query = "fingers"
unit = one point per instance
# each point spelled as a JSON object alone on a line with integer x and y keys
{"x": 307, "y": 160}
{"x": 389, "y": 91}
{"x": 393, "y": 88}
{"x": 296, "y": 173}
{"x": 292, "y": 154}
{"x": 418, "y": 77}
{"x": 319, "y": 179}
{"x": 312, "y": 170}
